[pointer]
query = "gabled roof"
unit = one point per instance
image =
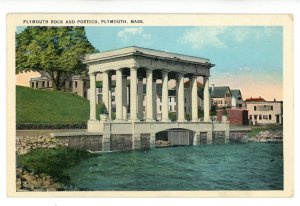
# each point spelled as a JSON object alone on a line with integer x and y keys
{"x": 235, "y": 93}
{"x": 218, "y": 92}
{"x": 259, "y": 99}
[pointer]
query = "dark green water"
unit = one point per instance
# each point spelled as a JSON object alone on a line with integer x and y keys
{"x": 251, "y": 166}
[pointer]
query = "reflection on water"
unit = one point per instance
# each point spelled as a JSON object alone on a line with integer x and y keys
{"x": 253, "y": 166}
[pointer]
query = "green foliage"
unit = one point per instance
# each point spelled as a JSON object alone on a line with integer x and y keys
{"x": 101, "y": 108}
{"x": 224, "y": 112}
{"x": 113, "y": 116}
{"x": 56, "y": 52}
{"x": 200, "y": 113}
{"x": 42, "y": 106}
{"x": 172, "y": 116}
{"x": 213, "y": 110}
{"x": 188, "y": 117}
{"x": 52, "y": 162}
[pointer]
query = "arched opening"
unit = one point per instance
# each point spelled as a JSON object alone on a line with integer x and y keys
{"x": 174, "y": 137}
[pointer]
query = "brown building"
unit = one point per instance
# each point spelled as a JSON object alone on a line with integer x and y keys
{"x": 236, "y": 116}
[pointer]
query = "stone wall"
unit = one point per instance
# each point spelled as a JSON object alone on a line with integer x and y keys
{"x": 120, "y": 142}
{"x": 218, "y": 137}
{"x": 203, "y": 138}
{"x": 145, "y": 141}
{"x": 83, "y": 142}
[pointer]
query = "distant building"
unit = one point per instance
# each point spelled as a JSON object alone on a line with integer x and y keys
{"x": 261, "y": 111}
{"x": 76, "y": 84}
{"x": 220, "y": 96}
{"x": 237, "y": 99}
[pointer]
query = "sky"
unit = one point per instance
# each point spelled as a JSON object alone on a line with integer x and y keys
{"x": 246, "y": 58}
{"x": 249, "y": 58}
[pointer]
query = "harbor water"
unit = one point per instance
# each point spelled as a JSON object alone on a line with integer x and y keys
{"x": 250, "y": 166}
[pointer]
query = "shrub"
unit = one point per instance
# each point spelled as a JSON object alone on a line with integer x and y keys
{"x": 101, "y": 109}
{"x": 52, "y": 162}
{"x": 173, "y": 116}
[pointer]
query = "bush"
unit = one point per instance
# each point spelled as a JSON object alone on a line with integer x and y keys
{"x": 101, "y": 108}
{"x": 52, "y": 162}
{"x": 172, "y": 116}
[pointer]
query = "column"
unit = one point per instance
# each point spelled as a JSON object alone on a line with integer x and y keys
{"x": 124, "y": 96}
{"x": 149, "y": 96}
{"x": 109, "y": 97}
{"x": 206, "y": 99}
{"x": 105, "y": 86}
{"x": 140, "y": 100}
{"x": 164, "y": 98}
{"x": 180, "y": 99}
{"x": 194, "y": 99}
{"x": 154, "y": 99}
{"x": 133, "y": 94}
{"x": 119, "y": 95}
{"x": 92, "y": 97}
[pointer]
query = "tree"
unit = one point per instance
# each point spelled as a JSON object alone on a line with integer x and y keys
{"x": 56, "y": 52}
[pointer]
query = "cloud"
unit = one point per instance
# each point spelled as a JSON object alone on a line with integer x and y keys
{"x": 218, "y": 37}
{"x": 201, "y": 37}
{"x": 133, "y": 34}
{"x": 244, "y": 69}
{"x": 130, "y": 31}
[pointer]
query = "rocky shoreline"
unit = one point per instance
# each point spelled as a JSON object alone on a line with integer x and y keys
{"x": 265, "y": 136}
{"x": 27, "y": 180}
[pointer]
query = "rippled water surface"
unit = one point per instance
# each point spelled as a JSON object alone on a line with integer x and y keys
{"x": 252, "y": 166}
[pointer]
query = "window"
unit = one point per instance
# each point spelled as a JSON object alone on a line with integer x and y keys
{"x": 255, "y": 117}
{"x": 75, "y": 84}
{"x": 48, "y": 84}
{"x": 36, "y": 85}
{"x": 169, "y": 99}
{"x": 250, "y": 116}
{"x": 113, "y": 98}
{"x": 43, "y": 84}
{"x": 159, "y": 107}
{"x": 265, "y": 117}
{"x": 272, "y": 108}
{"x": 254, "y": 108}
{"x": 259, "y": 117}
{"x": 270, "y": 117}
{"x": 32, "y": 84}
{"x": 170, "y": 108}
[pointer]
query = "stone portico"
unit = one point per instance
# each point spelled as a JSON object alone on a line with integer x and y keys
{"x": 141, "y": 65}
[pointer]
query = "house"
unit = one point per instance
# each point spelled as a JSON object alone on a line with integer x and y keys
{"x": 237, "y": 99}
{"x": 220, "y": 96}
{"x": 76, "y": 84}
{"x": 261, "y": 111}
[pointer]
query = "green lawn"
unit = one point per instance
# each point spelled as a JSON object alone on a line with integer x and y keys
{"x": 42, "y": 106}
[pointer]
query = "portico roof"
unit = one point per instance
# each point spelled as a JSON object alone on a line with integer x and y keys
{"x": 147, "y": 58}
{"x": 144, "y": 52}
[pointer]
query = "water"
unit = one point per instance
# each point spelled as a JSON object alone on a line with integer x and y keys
{"x": 251, "y": 166}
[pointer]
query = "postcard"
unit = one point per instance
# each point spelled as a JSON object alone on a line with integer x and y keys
{"x": 150, "y": 105}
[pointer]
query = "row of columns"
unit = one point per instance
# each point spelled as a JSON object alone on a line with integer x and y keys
{"x": 136, "y": 96}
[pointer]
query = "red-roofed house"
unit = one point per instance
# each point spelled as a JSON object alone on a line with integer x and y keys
{"x": 261, "y": 111}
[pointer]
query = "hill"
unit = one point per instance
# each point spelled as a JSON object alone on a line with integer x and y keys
{"x": 42, "y": 106}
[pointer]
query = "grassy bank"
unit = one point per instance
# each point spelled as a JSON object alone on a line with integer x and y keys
{"x": 53, "y": 107}
{"x": 52, "y": 162}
